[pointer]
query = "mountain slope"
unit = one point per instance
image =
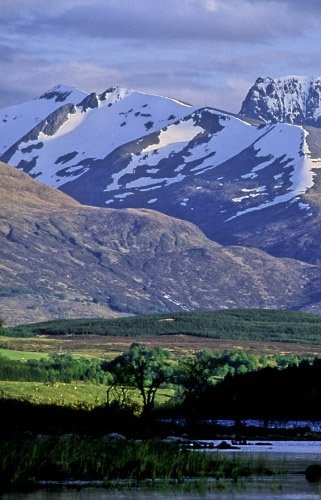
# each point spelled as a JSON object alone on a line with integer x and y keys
{"x": 237, "y": 167}
{"x": 240, "y": 181}
{"x": 59, "y": 258}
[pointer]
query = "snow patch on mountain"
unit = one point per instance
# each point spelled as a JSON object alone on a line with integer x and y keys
{"x": 272, "y": 145}
{"x": 177, "y": 134}
{"x": 301, "y": 166}
{"x": 235, "y": 136}
{"x": 178, "y": 142}
{"x": 169, "y": 140}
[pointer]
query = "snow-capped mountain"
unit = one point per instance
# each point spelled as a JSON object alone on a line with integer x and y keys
{"x": 237, "y": 180}
{"x": 289, "y": 99}
{"x": 75, "y": 127}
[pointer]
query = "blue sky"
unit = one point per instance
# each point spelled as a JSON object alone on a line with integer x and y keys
{"x": 206, "y": 52}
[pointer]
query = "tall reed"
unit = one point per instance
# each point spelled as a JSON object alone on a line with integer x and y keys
{"x": 26, "y": 460}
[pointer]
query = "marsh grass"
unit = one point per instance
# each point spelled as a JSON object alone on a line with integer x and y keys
{"x": 27, "y": 460}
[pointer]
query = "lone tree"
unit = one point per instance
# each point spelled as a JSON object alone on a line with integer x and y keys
{"x": 144, "y": 368}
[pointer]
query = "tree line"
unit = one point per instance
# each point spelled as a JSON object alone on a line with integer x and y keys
{"x": 56, "y": 368}
{"x": 269, "y": 393}
{"x": 246, "y": 324}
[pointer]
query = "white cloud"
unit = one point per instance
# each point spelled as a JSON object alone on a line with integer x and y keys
{"x": 212, "y": 5}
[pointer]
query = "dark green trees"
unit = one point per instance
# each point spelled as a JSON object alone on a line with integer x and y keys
{"x": 144, "y": 368}
{"x": 196, "y": 373}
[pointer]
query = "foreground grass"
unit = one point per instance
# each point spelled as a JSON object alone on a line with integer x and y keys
{"x": 24, "y": 461}
{"x": 73, "y": 395}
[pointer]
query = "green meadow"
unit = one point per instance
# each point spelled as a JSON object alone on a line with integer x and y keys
{"x": 74, "y": 395}
{"x": 21, "y": 355}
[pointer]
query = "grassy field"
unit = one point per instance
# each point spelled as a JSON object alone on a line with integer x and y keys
{"x": 76, "y": 394}
{"x": 89, "y": 395}
{"x": 21, "y": 355}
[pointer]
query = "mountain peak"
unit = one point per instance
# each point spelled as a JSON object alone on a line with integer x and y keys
{"x": 64, "y": 93}
{"x": 290, "y": 99}
{"x": 61, "y": 87}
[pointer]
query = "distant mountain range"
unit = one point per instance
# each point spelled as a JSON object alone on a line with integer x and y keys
{"x": 252, "y": 181}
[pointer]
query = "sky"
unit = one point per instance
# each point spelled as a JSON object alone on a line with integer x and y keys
{"x": 205, "y": 52}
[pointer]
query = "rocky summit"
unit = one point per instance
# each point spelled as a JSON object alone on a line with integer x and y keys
{"x": 289, "y": 99}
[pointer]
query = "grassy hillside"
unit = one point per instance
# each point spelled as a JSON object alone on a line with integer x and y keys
{"x": 240, "y": 324}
